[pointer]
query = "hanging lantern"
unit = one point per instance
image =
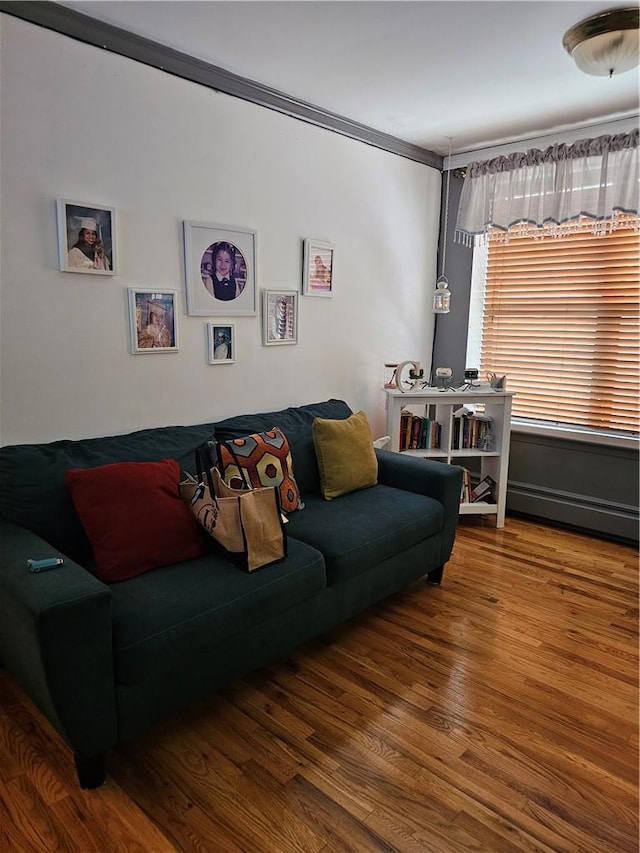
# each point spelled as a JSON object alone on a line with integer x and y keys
{"x": 442, "y": 296}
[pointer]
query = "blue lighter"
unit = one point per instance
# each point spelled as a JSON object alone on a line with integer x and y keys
{"x": 44, "y": 565}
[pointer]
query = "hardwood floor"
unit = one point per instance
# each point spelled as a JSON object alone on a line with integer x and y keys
{"x": 497, "y": 712}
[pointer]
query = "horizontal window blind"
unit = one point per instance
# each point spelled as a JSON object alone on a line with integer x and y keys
{"x": 561, "y": 320}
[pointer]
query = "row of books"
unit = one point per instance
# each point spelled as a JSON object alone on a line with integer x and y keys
{"x": 418, "y": 433}
{"x": 483, "y": 492}
{"x": 471, "y": 430}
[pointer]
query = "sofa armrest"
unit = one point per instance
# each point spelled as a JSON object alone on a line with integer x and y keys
{"x": 436, "y": 480}
{"x": 55, "y": 639}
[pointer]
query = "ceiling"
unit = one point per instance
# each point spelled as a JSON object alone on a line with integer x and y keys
{"x": 481, "y": 73}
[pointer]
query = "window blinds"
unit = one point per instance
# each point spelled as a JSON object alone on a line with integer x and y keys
{"x": 561, "y": 320}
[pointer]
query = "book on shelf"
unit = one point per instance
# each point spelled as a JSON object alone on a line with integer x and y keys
{"x": 418, "y": 432}
{"x": 465, "y": 491}
{"x": 470, "y": 429}
{"x": 463, "y": 411}
{"x": 484, "y": 491}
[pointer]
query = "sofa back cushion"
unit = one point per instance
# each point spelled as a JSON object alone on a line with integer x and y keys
{"x": 34, "y": 494}
{"x": 297, "y": 424}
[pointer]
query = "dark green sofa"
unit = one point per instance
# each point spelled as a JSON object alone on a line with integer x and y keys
{"x": 104, "y": 662}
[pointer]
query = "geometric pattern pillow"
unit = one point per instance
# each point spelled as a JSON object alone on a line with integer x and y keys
{"x": 262, "y": 459}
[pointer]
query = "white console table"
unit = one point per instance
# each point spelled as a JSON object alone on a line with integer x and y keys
{"x": 440, "y": 406}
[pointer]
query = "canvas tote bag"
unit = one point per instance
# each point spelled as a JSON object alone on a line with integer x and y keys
{"x": 247, "y": 523}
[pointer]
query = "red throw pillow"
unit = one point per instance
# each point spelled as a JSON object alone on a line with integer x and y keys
{"x": 134, "y": 517}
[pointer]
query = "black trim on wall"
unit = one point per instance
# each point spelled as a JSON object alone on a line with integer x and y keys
{"x": 107, "y": 37}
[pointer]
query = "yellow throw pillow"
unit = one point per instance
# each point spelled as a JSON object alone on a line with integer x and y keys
{"x": 345, "y": 454}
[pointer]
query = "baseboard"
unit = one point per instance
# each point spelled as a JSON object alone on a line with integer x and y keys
{"x": 619, "y": 521}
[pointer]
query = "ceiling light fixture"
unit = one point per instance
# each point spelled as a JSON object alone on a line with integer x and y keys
{"x": 607, "y": 43}
{"x": 442, "y": 294}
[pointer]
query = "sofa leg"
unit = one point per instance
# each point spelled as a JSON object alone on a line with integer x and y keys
{"x": 92, "y": 772}
{"x": 435, "y": 575}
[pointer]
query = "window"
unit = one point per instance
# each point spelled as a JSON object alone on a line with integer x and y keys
{"x": 560, "y": 318}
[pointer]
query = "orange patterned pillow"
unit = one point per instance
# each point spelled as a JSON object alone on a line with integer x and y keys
{"x": 262, "y": 459}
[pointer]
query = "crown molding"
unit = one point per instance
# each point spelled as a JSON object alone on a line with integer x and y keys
{"x": 83, "y": 28}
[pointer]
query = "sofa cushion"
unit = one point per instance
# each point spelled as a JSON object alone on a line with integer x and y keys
{"x": 134, "y": 517}
{"x": 364, "y": 528}
{"x": 346, "y": 458}
{"x": 161, "y": 620}
{"x": 296, "y": 423}
{"x": 34, "y": 494}
{"x": 261, "y": 459}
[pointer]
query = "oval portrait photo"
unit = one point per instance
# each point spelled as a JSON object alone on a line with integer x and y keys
{"x": 223, "y": 270}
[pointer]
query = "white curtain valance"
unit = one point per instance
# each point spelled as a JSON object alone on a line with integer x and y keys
{"x": 547, "y": 192}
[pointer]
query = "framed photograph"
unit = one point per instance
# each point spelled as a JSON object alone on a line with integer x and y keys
{"x": 153, "y": 320}
{"x": 86, "y": 238}
{"x": 317, "y": 268}
{"x": 279, "y": 317}
{"x": 220, "y": 270}
{"x": 221, "y": 343}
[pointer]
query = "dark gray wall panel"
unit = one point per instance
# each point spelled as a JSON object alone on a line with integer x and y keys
{"x": 594, "y": 487}
{"x": 450, "y": 339}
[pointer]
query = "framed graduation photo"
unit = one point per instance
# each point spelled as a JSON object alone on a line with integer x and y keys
{"x": 153, "y": 321}
{"x": 220, "y": 270}
{"x": 86, "y": 238}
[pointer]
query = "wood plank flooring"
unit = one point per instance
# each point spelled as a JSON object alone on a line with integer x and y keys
{"x": 497, "y": 712}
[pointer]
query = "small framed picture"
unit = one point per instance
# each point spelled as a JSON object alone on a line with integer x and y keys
{"x": 221, "y": 343}
{"x": 220, "y": 270}
{"x": 153, "y": 320}
{"x": 279, "y": 317}
{"x": 317, "y": 268}
{"x": 86, "y": 238}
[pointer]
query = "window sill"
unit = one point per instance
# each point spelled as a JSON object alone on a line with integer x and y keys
{"x": 580, "y": 434}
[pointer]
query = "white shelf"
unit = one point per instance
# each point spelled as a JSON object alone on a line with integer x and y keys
{"x": 439, "y": 406}
{"x": 478, "y": 509}
{"x": 470, "y": 451}
{"x": 426, "y": 453}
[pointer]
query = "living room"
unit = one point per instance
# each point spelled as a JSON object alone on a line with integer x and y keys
{"x": 90, "y": 125}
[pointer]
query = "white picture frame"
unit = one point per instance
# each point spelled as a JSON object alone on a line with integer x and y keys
{"x": 86, "y": 238}
{"x": 279, "y": 317}
{"x": 221, "y": 343}
{"x": 207, "y": 245}
{"x": 153, "y": 320}
{"x": 318, "y": 268}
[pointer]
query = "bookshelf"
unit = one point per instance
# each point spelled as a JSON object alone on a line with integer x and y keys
{"x": 460, "y": 441}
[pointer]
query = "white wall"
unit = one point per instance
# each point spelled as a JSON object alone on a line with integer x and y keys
{"x": 82, "y": 124}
